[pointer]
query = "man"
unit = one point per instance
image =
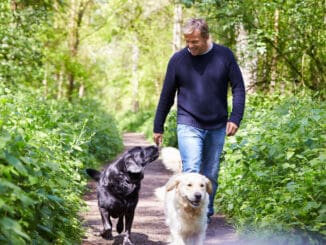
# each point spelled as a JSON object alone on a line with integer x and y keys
{"x": 200, "y": 74}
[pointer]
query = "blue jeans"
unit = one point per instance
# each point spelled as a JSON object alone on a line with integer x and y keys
{"x": 200, "y": 151}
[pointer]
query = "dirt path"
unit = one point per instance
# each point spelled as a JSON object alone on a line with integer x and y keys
{"x": 149, "y": 227}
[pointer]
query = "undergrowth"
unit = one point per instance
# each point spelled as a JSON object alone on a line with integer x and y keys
{"x": 45, "y": 145}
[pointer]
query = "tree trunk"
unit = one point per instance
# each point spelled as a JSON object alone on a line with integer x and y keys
{"x": 248, "y": 64}
{"x": 134, "y": 73}
{"x": 81, "y": 91}
{"x": 77, "y": 12}
{"x": 59, "y": 77}
{"x": 177, "y": 35}
{"x": 274, "y": 54}
{"x": 45, "y": 82}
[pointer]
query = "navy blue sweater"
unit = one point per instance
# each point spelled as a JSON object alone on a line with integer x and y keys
{"x": 201, "y": 83}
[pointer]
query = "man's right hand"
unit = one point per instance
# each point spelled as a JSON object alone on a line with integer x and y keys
{"x": 158, "y": 138}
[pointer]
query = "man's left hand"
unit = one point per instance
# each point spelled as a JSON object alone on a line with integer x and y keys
{"x": 231, "y": 128}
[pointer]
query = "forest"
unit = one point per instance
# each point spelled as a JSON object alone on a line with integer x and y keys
{"x": 76, "y": 74}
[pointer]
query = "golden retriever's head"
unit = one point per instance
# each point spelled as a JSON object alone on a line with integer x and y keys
{"x": 191, "y": 187}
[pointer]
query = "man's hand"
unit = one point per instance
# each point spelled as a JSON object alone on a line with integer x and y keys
{"x": 231, "y": 128}
{"x": 158, "y": 138}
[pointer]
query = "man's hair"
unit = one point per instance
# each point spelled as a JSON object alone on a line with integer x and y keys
{"x": 196, "y": 24}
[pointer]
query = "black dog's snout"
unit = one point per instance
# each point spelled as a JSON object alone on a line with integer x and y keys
{"x": 155, "y": 151}
{"x": 197, "y": 196}
{"x": 151, "y": 154}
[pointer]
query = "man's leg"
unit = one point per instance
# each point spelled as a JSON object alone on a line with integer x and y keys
{"x": 190, "y": 143}
{"x": 212, "y": 149}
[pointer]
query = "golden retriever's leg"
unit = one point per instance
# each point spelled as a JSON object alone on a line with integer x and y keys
{"x": 196, "y": 240}
{"x": 177, "y": 239}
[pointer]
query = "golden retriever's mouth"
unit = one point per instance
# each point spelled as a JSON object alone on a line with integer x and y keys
{"x": 195, "y": 203}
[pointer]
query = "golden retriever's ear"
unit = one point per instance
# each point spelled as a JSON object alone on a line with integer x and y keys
{"x": 172, "y": 183}
{"x": 209, "y": 186}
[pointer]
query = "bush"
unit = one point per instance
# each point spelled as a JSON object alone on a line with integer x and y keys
{"x": 44, "y": 148}
{"x": 274, "y": 173}
{"x": 170, "y": 130}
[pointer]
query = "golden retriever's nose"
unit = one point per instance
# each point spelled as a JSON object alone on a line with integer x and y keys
{"x": 197, "y": 196}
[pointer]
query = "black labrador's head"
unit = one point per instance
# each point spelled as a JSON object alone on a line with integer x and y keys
{"x": 124, "y": 175}
{"x": 138, "y": 157}
{"x": 132, "y": 165}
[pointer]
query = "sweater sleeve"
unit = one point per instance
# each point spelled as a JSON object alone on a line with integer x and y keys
{"x": 166, "y": 98}
{"x": 238, "y": 92}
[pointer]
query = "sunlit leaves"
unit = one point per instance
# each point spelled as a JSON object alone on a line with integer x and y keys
{"x": 298, "y": 38}
{"x": 283, "y": 167}
{"x": 44, "y": 147}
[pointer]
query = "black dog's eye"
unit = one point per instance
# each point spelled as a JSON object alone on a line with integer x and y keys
{"x": 141, "y": 154}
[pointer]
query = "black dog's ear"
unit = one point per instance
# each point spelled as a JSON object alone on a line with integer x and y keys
{"x": 94, "y": 174}
{"x": 134, "y": 149}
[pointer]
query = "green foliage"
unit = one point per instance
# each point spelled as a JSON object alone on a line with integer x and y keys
{"x": 137, "y": 45}
{"x": 143, "y": 122}
{"x": 294, "y": 40}
{"x": 273, "y": 177}
{"x": 44, "y": 148}
{"x": 137, "y": 122}
{"x": 21, "y": 49}
{"x": 170, "y": 130}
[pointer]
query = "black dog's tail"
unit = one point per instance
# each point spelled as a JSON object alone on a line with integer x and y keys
{"x": 94, "y": 174}
{"x": 120, "y": 224}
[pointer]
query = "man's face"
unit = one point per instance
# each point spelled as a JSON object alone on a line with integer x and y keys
{"x": 196, "y": 43}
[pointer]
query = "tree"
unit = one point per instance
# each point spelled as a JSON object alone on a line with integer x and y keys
{"x": 22, "y": 26}
{"x": 286, "y": 37}
{"x": 78, "y": 8}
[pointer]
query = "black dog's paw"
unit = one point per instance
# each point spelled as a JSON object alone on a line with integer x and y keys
{"x": 120, "y": 225}
{"x": 127, "y": 241}
{"x": 107, "y": 234}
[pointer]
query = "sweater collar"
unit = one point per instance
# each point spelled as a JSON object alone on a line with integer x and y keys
{"x": 209, "y": 49}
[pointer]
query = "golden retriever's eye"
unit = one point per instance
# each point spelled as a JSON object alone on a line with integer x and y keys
{"x": 189, "y": 185}
{"x": 202, "y": 185}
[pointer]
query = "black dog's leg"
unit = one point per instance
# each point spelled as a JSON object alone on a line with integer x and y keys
{"x": 120, "y": 224}
{"x": 107, "y": 225}
{"x": 129, "y": 217}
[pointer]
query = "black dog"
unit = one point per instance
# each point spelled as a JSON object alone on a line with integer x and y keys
{"x": 118, "y": 188}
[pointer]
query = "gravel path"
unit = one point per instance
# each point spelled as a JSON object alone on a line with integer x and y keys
{"x": 148, "y": 227}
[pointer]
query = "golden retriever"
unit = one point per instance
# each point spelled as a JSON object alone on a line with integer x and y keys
{"x": 186, "y": 203}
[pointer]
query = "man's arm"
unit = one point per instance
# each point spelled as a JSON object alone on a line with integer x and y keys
{"x": 158, "y": 138}
{"x": 238, "y": 96}
{"x": 165, "y": 102}
{"x": 231, "y": 128}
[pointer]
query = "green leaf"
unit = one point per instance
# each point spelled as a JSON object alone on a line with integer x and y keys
{"x": 44, "y": 228}
{"x": 4, "y": 139}
{"x": 16, "y": 163}
{"x": 289, "y": 155}
{"x": 291, "y": 186}
{"x": 13, "y": 226}
{"x": 311, "y": 205}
